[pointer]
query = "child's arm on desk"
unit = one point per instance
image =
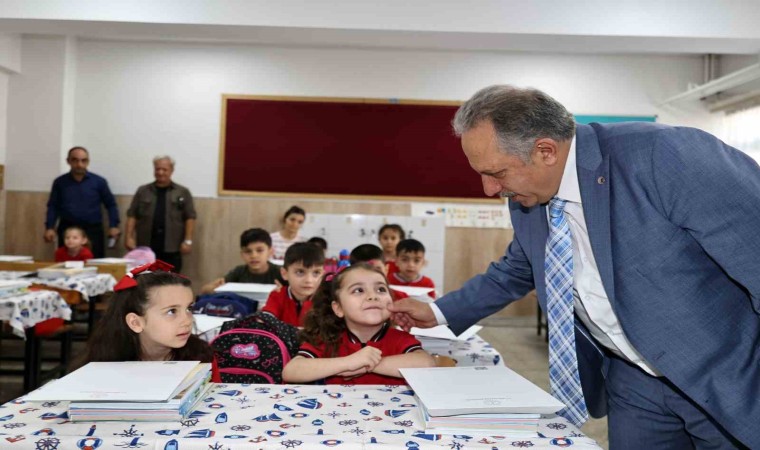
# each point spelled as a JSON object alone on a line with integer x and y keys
{"x": 304, "y": 370}
{"x": 389, "y": 365}
{"x": 208, "y": 288}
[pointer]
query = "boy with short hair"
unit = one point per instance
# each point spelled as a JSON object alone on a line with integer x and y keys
{"x": 302, "y": 269}
{"x": 74, "y": 247}
{"x": 410, "y": 259}
{"x": 373, "y": 255}
{"x": 255, "y": 250}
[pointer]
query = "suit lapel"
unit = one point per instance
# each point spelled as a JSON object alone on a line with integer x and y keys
{"x": 593, "y": 177}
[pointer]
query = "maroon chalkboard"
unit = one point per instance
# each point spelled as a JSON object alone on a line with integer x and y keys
{"x": 347, "y": 147}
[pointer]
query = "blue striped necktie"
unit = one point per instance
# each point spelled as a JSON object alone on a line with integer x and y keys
{"x": 563, "y": 362}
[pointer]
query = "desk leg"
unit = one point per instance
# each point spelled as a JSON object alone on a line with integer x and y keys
{"x": 91, "y": 314}
{"x": 32, "y": 360}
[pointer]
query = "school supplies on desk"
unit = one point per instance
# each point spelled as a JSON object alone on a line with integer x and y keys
{"x": 484, "y": 400}
{"x": 130, "y": 391}
{"x": 61, "y": 271}
{"x": 15, "y": 258}
{"x": 437, "y": 340}
{"x": 12, "y": 287}
{"x": 449, "y": 391}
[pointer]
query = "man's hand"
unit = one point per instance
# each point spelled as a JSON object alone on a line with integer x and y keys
{"x": 130, "y": 243}
{"x": 408, "y": 313}
{"x": 114, "y": 232}
{"x": 185, "y": 248}
{"x": 49, "y": 235}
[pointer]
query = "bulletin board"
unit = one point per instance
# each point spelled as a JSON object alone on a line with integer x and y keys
{"x": 344, "y": 147}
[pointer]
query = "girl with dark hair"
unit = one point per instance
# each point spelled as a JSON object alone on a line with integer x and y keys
{"x": 347, "y": 336}
{"x": 288, "y": 235}
{"x": 149, "y": 318}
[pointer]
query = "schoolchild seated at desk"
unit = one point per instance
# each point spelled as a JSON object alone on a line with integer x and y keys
{"x": 348, "y": 338}
{"x": 410, "y": 259}
{"x": 373, "y": 255}
{"x": 149, "y": 318}
{"x": 389, "y": 236}
{"x": 255, "y": 250}
{"x": 302, "y": 269}
{"x": 74, "y": 246}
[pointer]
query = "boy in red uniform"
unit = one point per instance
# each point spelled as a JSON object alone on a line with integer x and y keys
{"x": 348, "y": 338}
{"x": 410, "y": 259}
{"x": 302, "y": 269}
{"x": 75, "y": 246}
{"x": 373, "y": 255}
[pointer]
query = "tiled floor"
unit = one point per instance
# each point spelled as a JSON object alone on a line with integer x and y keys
{"x": 515, "y": 338}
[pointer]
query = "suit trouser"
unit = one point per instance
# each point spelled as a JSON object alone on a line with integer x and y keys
{"x": 647, "y": 412}
{"x": 95, "y": 234}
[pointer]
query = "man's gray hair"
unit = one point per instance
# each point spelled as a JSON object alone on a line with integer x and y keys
{"x": 164, "y": 158}
{"x": 519, "y": 117}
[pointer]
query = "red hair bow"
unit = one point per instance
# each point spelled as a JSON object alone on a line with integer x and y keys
{"x": 128, "y": 281}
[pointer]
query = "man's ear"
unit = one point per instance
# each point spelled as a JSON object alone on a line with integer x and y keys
{"x": 134, "y": 322}
{"x": 337, "y": 309}
{"x": 546, "y": 150}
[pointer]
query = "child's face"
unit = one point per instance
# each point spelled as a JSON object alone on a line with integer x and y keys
{"x": 256, "y": 256}
{"x": 388, "y": 241}
{"x": 74, "y": 240}
{"x": 293, "y": 222}
{"x": 410, "y": 264}
{"x": 303, "y": 280}
{"x": 167, "y": 321}
{"x": 363, "y": 299}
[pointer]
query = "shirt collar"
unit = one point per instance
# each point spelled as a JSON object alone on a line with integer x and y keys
{"x": 377, "y": 337}
{"x": 569, "y": 187}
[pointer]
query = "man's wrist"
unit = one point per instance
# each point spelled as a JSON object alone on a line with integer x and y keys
{"x": 188, "y": 242}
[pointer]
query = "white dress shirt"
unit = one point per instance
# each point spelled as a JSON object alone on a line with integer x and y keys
{"x": 591, "y": 303}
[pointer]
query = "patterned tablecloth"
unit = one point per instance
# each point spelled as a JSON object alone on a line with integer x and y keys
{"x": 88, "y": 287}
{"x": 269, "y": 417}
{"x": 27, "y": 310}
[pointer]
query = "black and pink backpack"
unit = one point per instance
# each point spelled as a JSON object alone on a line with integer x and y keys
{"x": 255, "y": 349}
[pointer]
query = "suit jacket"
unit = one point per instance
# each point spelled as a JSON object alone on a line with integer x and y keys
{"x": 673, "y": 217}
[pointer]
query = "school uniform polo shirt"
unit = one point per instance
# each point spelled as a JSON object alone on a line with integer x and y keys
{"x": 285, "y": 307}
{"x": 388, "y": 340}
{"x": 422, "y": 281}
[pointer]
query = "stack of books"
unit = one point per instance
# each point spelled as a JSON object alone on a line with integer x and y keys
{"x": 160, "y": 391}
{"x": 488, "y": 400}
{"x": 437, "y": 340}
{"x": 9, "y": 288}
{"x": 67, "y": 270}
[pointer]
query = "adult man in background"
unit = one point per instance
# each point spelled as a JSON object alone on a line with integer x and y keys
{"x": 640, "y": 240}
{"x": 163, "y": 215}
{"x": 75, "y": 199}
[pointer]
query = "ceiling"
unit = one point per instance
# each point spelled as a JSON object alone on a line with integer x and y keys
{"x": 556, "y": 26}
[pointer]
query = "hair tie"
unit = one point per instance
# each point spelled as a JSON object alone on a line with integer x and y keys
{"x": 128, "y": 280}
{"x": 330, "y": 276}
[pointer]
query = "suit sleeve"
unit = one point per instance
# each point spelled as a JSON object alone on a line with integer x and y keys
{"x": 505, "y": 281}
{"x": 712, "y": 190}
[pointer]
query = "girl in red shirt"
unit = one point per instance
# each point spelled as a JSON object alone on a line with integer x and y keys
{"x": 348, "y": 337}
{"x": 74, "y": 246}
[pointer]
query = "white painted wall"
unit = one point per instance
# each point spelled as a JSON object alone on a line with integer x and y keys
{"x": 3, "y": 116}
{"x": 35, "y": 114}
{"x": 135, "y": 100}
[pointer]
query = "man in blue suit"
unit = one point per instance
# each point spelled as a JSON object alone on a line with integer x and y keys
{"x": 662, "y": 262}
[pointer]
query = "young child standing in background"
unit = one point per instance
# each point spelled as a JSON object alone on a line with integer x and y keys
{"x": 348, "y": 337}
{"x": 74, "y": 246}
{"x": 302, "y": 269}
{"x": 389, "y": 236}
{"x": 410, "y": 259}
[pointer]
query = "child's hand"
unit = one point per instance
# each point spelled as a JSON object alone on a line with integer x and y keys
{"x": 362, "y": 361}
{"x": 218, "y": 282}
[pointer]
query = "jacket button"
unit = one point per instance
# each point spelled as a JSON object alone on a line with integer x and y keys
{"x": 600, "y": 180}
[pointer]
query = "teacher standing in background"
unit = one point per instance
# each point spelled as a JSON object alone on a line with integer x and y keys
{"x": 75, "y": 200}
{"x": 162, "y": 216}
{"x": 641, "y": 242}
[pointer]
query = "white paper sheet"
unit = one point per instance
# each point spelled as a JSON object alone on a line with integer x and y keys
{"x": 253, "y": 291}
{"x": 204, "y": 323}
{"x": 136, "y": 381}
{"x": 444, "y": 332}
{"x": 447, "y": 391}
{"x": 15, "y": 258}
{"x": 412, "y": 291}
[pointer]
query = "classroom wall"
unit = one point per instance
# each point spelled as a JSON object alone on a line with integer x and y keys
{"x": 133, "y": 100}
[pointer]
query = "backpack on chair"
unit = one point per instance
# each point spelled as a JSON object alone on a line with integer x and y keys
{"x": 255, "y": 349}
{"x": 225, "y": 304}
